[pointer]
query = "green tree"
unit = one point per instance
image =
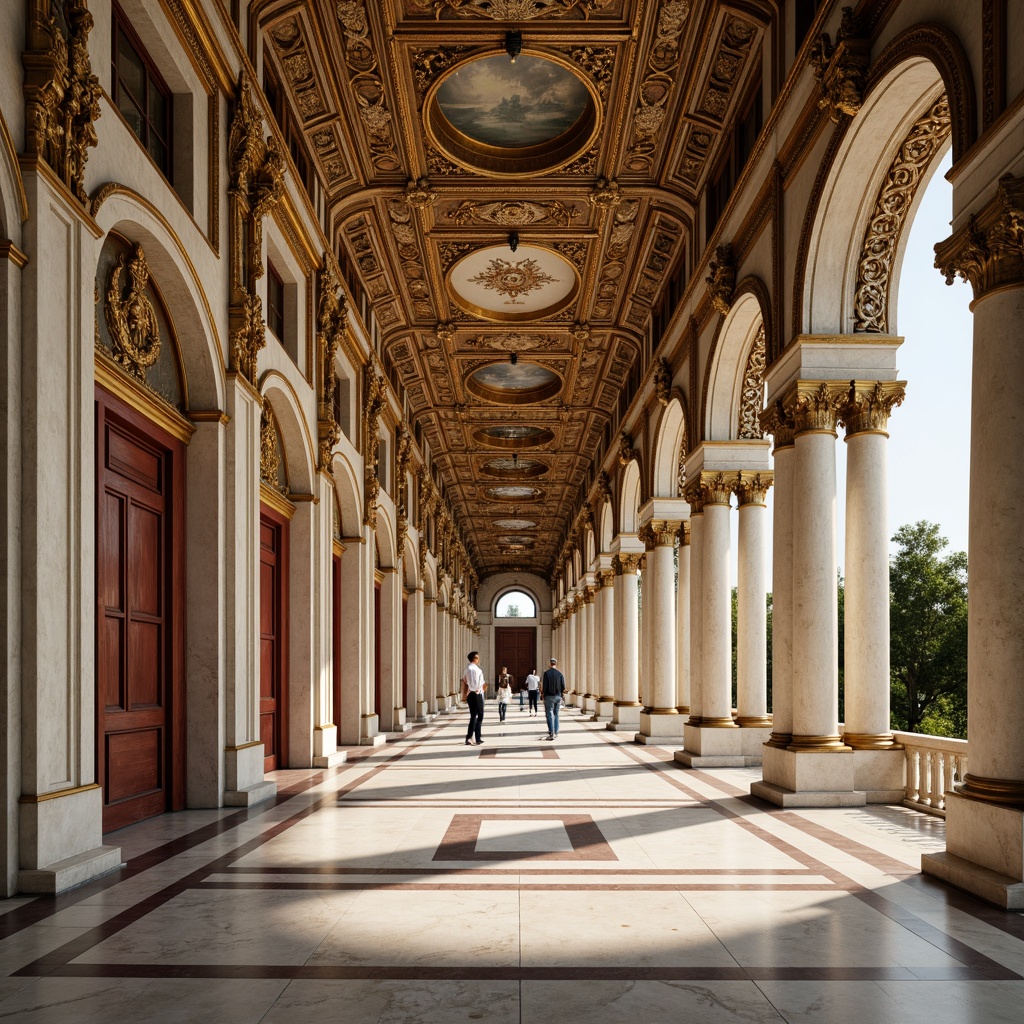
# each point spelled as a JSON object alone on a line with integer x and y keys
{"x": 928, "y": 632}
{"x": 512, "y": 611}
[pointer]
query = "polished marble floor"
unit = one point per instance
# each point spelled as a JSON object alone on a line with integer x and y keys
{"x": 521, "y": 882}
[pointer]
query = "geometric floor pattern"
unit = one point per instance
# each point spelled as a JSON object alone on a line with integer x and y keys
{"x": 522, "y": 882}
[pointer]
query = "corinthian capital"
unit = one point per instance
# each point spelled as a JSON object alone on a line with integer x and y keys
{"x": 869, "y": 405}
{"x": 752, "y": 488}
{"x": 717, "y": 488}
{"x": 814, "y": 405}
{"x": 988, "y": 251}
{"x": 664, "y": 532}
{"x": 777, "y": 420}
{"x": 626, "y": 563}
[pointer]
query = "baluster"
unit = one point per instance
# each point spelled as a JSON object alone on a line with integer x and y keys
{"x": 913, "y": 774}
{"x": 935, "y": 779}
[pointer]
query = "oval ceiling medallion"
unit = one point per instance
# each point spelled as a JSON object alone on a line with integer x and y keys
{"x": 514, "y": 468}
{"x": 514, "y": 524}
{"x": 512, "y": 120}
{"x": 513, "y": 436}
{"x": 495, "y": 283}
{"x": 510, "y": 492}
{"x": 513, "y": 385}
{"x": 515, "y": 541}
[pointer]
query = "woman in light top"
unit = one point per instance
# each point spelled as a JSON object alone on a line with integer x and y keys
{"x": 504, "y": 692}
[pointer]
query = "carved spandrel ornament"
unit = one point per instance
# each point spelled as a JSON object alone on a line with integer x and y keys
{"x": 62, "y": 95}
{"x": 842, "y": 69}
{"x": 130, "y": 315}
{"x": 889, "y": 218}
{"x": 988, "y": 251}
{"x": 271, "y": 466}
{"x": 721, "y": 279}
{"x": 752, "y": 393}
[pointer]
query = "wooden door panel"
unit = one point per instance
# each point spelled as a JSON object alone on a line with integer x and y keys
{"x": 140, "y": 647}
{"x": 273, "y": 638}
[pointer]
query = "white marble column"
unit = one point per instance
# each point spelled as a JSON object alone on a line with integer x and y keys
{"x": 985, "y": 819}
{"x": 660, "y": 719}
{"x": 626, "y": 713}
{"x": 415, "y": 659}
{"x": 696, "y": 606}
{"x": 591, "y": 685}
{"x": 751, "y": 606}
{"x": 606, "y": 644}
{"x": 582, "y": 684}
{"x": 430, "y": 654}
{"x": 716, "y": 623}
{"x": 815, "y": 568}
{"x": 683, "y": 622}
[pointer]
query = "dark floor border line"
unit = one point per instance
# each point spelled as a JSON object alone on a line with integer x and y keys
{"x": 906, "y": 919}
{"x": 468, "y": 973}
{"x": 527, "y": 886}
{"x": 1008, "y": 921}
{"x": 326, "y": 869}
{"x": 82, "y": 943}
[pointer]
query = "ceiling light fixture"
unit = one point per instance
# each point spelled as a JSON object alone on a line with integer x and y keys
{"x": 515, "y": 460}
{"x": 514, "y": 358}
{"x": 513, "y": 240}
{"x": 513, "y": 44}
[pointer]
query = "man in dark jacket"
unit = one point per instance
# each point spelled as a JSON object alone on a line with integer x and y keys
{"x": 552, "y": 686}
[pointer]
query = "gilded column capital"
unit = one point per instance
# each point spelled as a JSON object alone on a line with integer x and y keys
{"x": 684, "y": 533}
{"x": 988, "y": 251}
{"x": 665, "y": 532}
{"x": 778, "y": 421}
{"x": 814, "y": 405}
{"x": 589, "y": 593}
{"x": 626, "y": 563}
{"x": 717, "y": 488}
{"x": 695, "y": 496}
{"x": 752, "y": 488}
{"x": 606, "y": 577}
{"x": 869, "y": 405}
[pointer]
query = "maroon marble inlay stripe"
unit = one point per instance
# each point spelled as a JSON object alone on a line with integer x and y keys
{"x": 588, "y": 842}
{"x": 326, "y": 869}
{"x": 529, "y": 886}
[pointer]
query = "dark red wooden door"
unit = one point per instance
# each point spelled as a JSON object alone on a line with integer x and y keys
{"x": 336, "y": 635}
{"x": 273, "y": 638}
{"x": 381, "y": 727}
{"x": 516, "y": 647}
{"x": 140, "y": 615}
{"x": 407, "y": 697}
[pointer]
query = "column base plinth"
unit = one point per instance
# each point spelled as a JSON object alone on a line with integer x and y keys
{"x": 984, "y": 850}
{"x": 710, "y": 722}
{"x": 754, "y": 721}
{"x": 809, "y": 778}
{"x": 604, "y": 709}
{"x": 625, "y": 716}
{"x": 715, "y": 747}
{"x": 659, "y": 727}
{"x": 245, "y": 784}
{"x": 62, "y": 875}
{"x": 336, "y": 757}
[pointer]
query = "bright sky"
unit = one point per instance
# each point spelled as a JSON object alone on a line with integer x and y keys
{"x": 929, "y": 435}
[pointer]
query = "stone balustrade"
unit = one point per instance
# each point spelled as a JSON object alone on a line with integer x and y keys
{"x": 935, "y": 764}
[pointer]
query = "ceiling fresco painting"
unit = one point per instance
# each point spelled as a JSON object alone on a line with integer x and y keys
{"x": 515, "y": 230}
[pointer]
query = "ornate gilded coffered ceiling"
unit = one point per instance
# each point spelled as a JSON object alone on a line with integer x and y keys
{"x": 515, "y": 225}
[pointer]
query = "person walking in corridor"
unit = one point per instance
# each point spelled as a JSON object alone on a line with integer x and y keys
{"x": 553, "y": 686}
{"x": 473, "y": 685}
{"x": 504, "y": 694}
{"x": 532, "y": 685}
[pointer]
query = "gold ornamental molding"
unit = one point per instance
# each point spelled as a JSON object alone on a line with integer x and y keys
{"x": 39, "y": 798}
{"x": 135, "y": 394}
{"x": 752, "y": 393}
{"x": 842, "y": 69}
{"x": 131, "y": 316}
{"x": 988, "y": 251}
{"x": 9, "y": 251}
{"x": 1006, "y": 792}
{"x": 272, "y": 497}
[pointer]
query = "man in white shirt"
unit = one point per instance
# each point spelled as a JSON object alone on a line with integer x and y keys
{"x": 473, "y": 685}
{"x": 532, "y": 690}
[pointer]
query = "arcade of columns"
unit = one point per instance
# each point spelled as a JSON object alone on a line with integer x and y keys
{"x": 667, "y": 672}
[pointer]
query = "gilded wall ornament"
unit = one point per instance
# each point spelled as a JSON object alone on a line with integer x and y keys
{"x": 375, "y": 395}
{"x": 627, "y": 453}
{"x": 752, "y": 394}
{"x": 605, "y": 194}
{"x": 885, "y": 229}
{"x": 62, "y": 95}
{"x": 681, "y": 471}
{"x": 662, "y": 381}
{"x": 419, "y": 194}
{"x": 513, "y": 278}
{"x": 330, "y": 324}
{"x": 130, "y": 315}
{"x": 842, "y": 69}
{"x": 721, "y": 280}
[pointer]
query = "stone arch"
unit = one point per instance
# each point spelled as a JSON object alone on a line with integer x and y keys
{"x": 347, "y": 494}
{"x": 905, "y": 89}
{"x": 410, "y": 566}
{"x": 119, "y": 209}
{"x": 588, "y": 543}
{"x": 299, "y": 453}
{"x": 13, "y": 201}
{"x": 605, "y": 524}
{"x": 514, "y": 586}
{"x": 729, "y": 361}
{"x": 671, "y": 436}
{"x": 629, "y": 499}
{"x": 384, "y": 538}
